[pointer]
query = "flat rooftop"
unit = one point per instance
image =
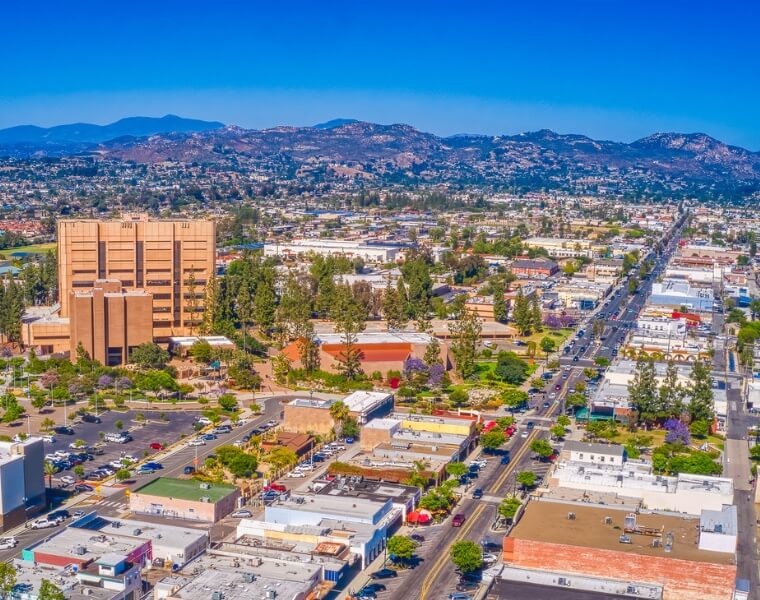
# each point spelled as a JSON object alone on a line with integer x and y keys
{"x": 361, "y": 401}
{"x": 95, "y": 544}
{"x": 29, "y": 579}
{"x": 160, "y": 533}
{"x": 547, "y": 522}
{"x": 185, "y": 489}
{"x": 376, "y": 491}
{"x": 518, "y": 590}
{"x": 209, "y": 574}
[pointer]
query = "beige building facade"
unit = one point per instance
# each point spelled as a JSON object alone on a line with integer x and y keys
{"x": 170, "y": 259}
{"x": 109, "y": 322}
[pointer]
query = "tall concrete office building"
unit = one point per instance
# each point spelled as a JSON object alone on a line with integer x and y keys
{"x": 171, "y": 260}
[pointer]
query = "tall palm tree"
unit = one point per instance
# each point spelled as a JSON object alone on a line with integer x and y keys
{"x": 49, "y": 470}
{"x": 339, "y": 412}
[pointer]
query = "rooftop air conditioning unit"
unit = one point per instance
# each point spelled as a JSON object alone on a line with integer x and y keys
{"x": 80, "y": 550}
{"x": 249, "y": 577}
{"x": 217, "y": 596}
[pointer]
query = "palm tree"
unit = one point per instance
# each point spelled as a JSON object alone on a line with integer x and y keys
{"x": 339, "y": 412}
{"x": 49, "y": 470}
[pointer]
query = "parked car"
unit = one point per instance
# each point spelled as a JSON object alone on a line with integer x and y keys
{"x": 384, "y": 574}
{"x": 78, "y": 513}
{"x": 188, "y": 470}
{"x": 43, "y": 524}
{"x": 68, "y": 480}
{"x": 156, "y": 446}
{"x": 460, "y": 596}
{"x": 83, "y": 487}
{"x": 7, "y": 543}
{"x": 295, "y": 474}
{"x": 154, "y": 465}
{"x": 242, "y": 514}
{"x": 209, "y": 437}
{"x": 417, "y": 537}
{"x": 275, "y": 487}
{"x": 64, "y": 430}
{"x": 199, "y": 441}
{"x": 49, "y": 439}
{"x": 145, "y": 470}
{"x": 59, "y": 515}
{"x": 458, "y": 520}
{"x": 88, "y": 418}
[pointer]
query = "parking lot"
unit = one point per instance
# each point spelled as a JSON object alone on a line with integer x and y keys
{"x": 153, "y": 429}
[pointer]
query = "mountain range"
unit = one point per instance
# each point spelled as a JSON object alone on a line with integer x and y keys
{"x": 362, "y": 153}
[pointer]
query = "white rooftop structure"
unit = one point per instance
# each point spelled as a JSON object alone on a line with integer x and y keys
{"x": 380, "y": 337}
{"x": 718, "y": 529}
{"x": 364, "y": 402}
{"x": 686, "y": 493}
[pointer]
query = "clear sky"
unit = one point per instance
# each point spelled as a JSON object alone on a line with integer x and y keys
{"x": 609, "y": 69}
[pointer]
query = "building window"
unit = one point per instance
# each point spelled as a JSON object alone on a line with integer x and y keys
{"x": 114, "y": 356}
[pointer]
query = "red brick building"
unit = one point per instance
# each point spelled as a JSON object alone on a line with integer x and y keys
{"x": 583, "y": 540}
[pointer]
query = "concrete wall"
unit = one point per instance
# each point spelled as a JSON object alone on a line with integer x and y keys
{"x": 307, "y": 419}
{"x": 208, "y": 512}
{"x": 717, "y": 542}
{"x": 681, "y": 579}
{"x": 11, "y": 484}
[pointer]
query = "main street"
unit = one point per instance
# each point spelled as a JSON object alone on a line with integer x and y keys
{"x": 435, "y": 577}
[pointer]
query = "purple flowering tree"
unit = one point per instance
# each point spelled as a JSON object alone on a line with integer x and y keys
{"x": 678, "y": 432}
{"x": 415, "y": 372}
{"x": 552, "y": 322}
{"x": 105, "y": 381}
{"x": 123, "y": 383}
{"x": 435, "y": 375}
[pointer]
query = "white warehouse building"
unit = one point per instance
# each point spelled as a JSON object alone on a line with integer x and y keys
{"x": 330, "y": 247}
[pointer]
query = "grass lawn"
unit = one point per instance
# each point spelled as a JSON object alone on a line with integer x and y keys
{"x": 558, "y": 335}
{"x": 31, "y": 249}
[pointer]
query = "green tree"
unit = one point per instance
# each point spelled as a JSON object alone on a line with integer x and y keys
{"x": 123, "y": 474}
{"x": 548, "y": 345}
{"x": 49, "y": 591}
{"x": 227, "y": 402}
{"x": 513, "y": 397}
{"x": 557, "y": 431}
{"x": 500, "y": 308}
{"x": 493, "y": 439}
{"x": 536, "y": 322}
{"x": 700, "y": 393}
{"x": 563, "y": 420}
{"x": 393, "y": 308}
{"x": 671, "y": 394}
{"x": 201, "y": 351}
{"x": 351, "y": 428}
{"x": 521, "y": 313}
{"x": 699, "y": 428}
{"x": 465, "y": 333}
{"x": 456, "y": 469}
{"x": 264, "y": 306}
{"x": 349, "y": 320}
{"x": 49, "y": 469}
{"x": 508, "y": 507}
{"x": 642, "y": 391}
{"x": 466, "y": 555}
{"x": 527, "y": 479}
{"x": 7, "y": 579}
{"x": 542, "y": 448}
{"x": 401, "y": 547}
{"x": 281, "y": 457}
{"x": 459, "y": 397}
{"x": 149, "y": 356}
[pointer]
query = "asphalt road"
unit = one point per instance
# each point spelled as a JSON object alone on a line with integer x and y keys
{"x": 435, "y": 577}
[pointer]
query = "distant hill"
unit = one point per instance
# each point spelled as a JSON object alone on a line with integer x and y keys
{"x": 342, "y": 151}
{"x": 87, "y": 133}
{"x": 333, "y": 123}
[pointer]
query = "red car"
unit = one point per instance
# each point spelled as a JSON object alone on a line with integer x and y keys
{"x": 156, "y": 446}
{"x": 458, "y": 520}
{"x": 275, "y": 487}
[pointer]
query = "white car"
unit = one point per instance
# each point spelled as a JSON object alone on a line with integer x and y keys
{"x": 305, "y": 467}
{"x": 524, "y": 434}
{"x": 242, "y": 514}
{"x": 68, "y": 480}
{"x": 49, "y": 439}
{"x": 490, "y": 558}
{"x": 272, "y": 423}
{"x": 197, "y": 442}
{"x": 7, "y": 543}
{"x": 43, "y": 523}
{"x": 295, "y": 474}
{"x": 203, "y": 420}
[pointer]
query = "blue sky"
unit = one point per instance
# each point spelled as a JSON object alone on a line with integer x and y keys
{"x": 612, "y": 70}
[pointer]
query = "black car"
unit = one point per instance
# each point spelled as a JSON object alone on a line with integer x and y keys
{"x": 374, "y": 587}
{"x": 417, "y": 537}
{"x": 88, "y": 418}
{"x": 384, "y": 574}
{"x": 59, "y": 514}
{"x": 64, "y": 430}
{"x": 477, "y": 494}
{"x": 467, "y": 586}
{"x": 188, "y": 470}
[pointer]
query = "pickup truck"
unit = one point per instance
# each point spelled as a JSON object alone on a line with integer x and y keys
{"x": 44, "y": 523}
